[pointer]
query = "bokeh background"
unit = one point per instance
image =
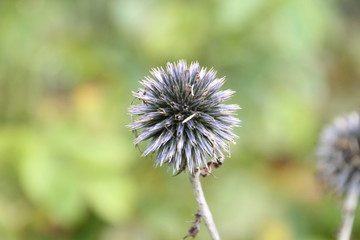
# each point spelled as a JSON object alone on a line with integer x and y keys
{"x": 68, "y": 169}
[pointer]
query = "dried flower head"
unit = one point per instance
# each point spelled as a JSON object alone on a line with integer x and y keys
{"x": 339, "y": 152}
{"x": 183, "y": 115}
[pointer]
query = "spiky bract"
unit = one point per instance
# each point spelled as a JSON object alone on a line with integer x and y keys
{"x": 339, "y": 152}
{"x": 183, "y": 115}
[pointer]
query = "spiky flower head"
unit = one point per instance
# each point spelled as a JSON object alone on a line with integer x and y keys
{"x": 183, "y": 115}
{"x": 339, "y": 153}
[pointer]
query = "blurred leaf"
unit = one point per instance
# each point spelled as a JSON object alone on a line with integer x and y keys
{"x": 43, "y": 179}
{"x": 288, "y": 121}
{"x": 111, "y": 197}
{"x": 244, "y": 204}
{"x": 276, "y": 230}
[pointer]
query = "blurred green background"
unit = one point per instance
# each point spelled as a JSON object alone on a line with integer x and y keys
{"x": 68, "y": 169}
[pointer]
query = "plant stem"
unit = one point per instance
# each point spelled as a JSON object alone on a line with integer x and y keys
{"x": 203, "y": 206}
{"x": 349, "y": 207}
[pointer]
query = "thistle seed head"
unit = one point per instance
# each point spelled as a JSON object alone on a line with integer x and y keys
{"x": 183, "y": 115}
{"x": 339, "y": 153}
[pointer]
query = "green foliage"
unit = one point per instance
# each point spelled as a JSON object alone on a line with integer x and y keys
{"x": 68, "y": 168}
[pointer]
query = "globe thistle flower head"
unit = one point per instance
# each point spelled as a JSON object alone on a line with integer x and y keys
{"x": 339, "y": 153}
{"x": 183, "y": 115}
